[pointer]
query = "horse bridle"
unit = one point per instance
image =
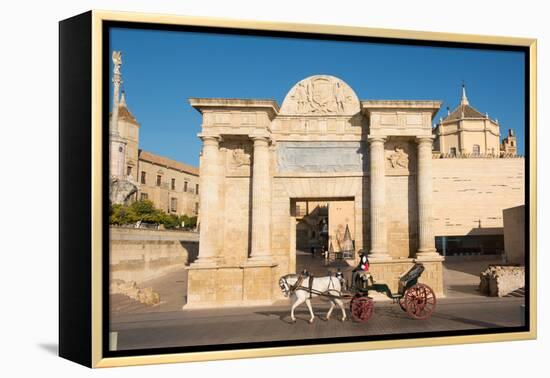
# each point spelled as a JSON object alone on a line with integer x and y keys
{"x": 289, "y": 289}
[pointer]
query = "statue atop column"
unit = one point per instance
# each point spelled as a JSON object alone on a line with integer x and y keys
{"x": 117, "y": 61}
{"x": 121, "y": 188}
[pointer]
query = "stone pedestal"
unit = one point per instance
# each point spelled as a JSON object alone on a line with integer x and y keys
{"x": 258, "y": 283}
{"x": 250, "y": 284}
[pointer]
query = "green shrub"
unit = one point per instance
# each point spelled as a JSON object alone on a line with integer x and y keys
{"x": 145, "y": 211}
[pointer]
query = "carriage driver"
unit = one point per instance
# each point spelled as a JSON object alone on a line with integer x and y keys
{"x": 361, "y": 271}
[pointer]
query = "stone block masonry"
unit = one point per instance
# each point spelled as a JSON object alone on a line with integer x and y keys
{"x": 140, "y": 255}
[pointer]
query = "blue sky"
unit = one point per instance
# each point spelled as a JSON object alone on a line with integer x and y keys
{"x": 162, "y": 69}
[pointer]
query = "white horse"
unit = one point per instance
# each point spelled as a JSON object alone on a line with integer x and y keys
{"x": 299, "y": 292}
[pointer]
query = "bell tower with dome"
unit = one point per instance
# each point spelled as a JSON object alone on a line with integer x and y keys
{"x": 467, "y": 132}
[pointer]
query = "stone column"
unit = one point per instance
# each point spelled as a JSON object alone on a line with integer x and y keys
{"x": 378, "y": 228}
{"x": 209, "y": 183}
{"x": 261, "y": 202}
{"x": 117, "y": 145}
{"x": 426, "y": 238}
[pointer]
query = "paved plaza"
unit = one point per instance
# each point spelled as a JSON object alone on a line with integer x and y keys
{"x": 238, "y": 325}
{"x": 166, "y": 325}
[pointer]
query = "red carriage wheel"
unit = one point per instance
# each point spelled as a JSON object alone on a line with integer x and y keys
{"x": 362, "y": 308}
{"x": 419, "y": 301}
{"x": 402, "y": 303}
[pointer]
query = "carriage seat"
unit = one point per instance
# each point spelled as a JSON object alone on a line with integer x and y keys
{"x": 412, "y": 275}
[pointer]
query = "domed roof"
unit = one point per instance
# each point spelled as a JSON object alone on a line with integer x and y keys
{"x": 320, "y": 95}
{"x": 464, "y": 110}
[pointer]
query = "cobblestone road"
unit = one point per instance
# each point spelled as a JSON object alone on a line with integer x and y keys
{"x": 226, "y": 326}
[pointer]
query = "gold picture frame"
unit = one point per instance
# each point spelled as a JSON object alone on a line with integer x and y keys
{"x": 91, "y": 266}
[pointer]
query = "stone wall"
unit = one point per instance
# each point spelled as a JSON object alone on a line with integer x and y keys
{"x": 402, "y": 216}
{"x": 514, "y": 235}
{"x": 139, "y": 255}
{"x": 470, "y": 194}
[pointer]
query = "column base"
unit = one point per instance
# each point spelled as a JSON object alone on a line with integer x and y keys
{"x": 205, "y": 263}
{"x": 259, "y": 261}
{"x": 379, "y": 256}
{"x": 431, "y": 255}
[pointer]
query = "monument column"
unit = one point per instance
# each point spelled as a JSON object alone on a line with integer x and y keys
{"x": 117, "y": 145}
{"x": 261, "y": 201}
{"x": 426, "y": 239}
{"x": 378, "y": 228}
{"x": 209, "y": 200}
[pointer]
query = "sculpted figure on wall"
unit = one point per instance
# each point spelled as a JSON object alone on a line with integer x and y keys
{"x": 238, "y": 158}
{"x": 320, "y": 95}
{"x": 398, "y": 158}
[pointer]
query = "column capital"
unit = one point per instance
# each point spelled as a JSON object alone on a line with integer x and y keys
{"x": 260, "y": 137}
{"x": 376, "y": 139}
{"x": 209, "y": 137}
{"x": 425, "y": 139}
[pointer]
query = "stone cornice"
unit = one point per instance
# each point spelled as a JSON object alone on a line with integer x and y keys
{"x": 269, "y": 106}
{"x": 446, "y": 122}
{"x": 433, "y": 106}
{"x": 440, "y": 133}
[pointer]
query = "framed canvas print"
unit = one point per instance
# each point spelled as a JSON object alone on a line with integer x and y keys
{"x": 235, "y": 189}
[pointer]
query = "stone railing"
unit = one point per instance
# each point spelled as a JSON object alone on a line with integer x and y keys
{"x": 440, "y": 155}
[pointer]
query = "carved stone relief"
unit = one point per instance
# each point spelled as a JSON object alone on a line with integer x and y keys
{"x": 238, "y": 158}
{"x": 400, "y": 157}
{"x": 320, "y": 95}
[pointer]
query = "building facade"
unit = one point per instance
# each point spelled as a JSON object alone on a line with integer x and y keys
{"x": 172, "y": 186}
{"x": 398, "y": 195}
{"x": 467, "y": 132}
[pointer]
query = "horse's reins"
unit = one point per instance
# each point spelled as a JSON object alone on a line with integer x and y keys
{"x": 298, "y": 283}
{"x": 293, "y": 288}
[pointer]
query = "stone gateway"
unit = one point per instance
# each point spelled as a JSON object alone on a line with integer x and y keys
{"x": 259, "y": 163}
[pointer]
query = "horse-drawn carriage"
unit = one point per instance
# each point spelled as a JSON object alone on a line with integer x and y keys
{"x": 418, "y": 300}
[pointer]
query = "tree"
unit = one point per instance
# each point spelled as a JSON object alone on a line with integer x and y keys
{"x": 145, "y": 211}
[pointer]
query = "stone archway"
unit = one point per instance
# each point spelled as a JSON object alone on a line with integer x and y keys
{"x": 322, "y": 143}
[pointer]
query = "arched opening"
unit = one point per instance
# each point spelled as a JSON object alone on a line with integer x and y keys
{"x": 325, "y": 233}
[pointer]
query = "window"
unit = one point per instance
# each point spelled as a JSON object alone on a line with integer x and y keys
{"x": 173, "y": 205}
{"x": 196, "y": 207}
{"x": 512, "y": 143}
{"x": 197, "y": 189}
{"x": 159, "y": 178}
{"x": 173, "y": 185}
{"x": 453, "y": 151}
{"x": 185, "y": 184}
{"x": 143, "y": 177}
{"x": 476, "y": 149}
{"x": 143, "y": 196}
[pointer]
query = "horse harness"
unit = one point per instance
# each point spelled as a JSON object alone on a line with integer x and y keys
{"x": 298, "y": 283}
